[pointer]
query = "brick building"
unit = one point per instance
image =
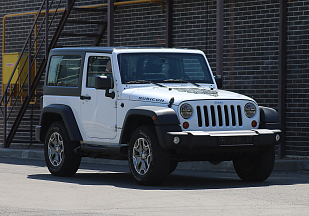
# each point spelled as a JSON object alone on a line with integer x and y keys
{"x": 251, "y": 35}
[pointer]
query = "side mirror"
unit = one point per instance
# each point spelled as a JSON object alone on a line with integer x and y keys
{"x": 105, "y": 82}
{"x": 219, "y": 81}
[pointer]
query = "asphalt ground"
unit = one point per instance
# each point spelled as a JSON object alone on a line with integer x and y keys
{"x": 36, "y": 153}
{"x": 27, "y": 189}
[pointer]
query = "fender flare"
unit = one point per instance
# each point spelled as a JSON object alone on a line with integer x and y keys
{"x": 68, "y": 118}
{"x": 164, "y": 119}
{"x": 163, "y": 115}
{"x": 269, "y": 118}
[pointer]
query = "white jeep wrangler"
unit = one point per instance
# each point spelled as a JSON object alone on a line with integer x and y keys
{"x": 154, "y": 107}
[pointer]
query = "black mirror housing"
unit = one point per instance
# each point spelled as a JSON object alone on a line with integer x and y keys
{"x": 103, "y": 82}
{"x": 219, "y": 81}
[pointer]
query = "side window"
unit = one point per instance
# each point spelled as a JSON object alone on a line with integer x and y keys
{"x": 98, "y": 66}
{"x": 64, "y": 71}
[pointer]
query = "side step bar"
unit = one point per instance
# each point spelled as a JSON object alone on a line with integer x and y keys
{"x": 119, "y": 152}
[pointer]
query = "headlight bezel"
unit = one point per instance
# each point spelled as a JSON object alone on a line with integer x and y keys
{"x": 188, "y": 112}
{"x": 250, "y": 109}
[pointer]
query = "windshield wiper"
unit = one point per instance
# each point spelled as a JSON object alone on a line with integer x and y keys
{"x": 180, "y": 81}
{"x": 144, "y": 82}
{"x": 138, "y": 82}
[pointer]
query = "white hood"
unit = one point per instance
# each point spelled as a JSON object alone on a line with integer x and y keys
{"x": 180, "y": 94}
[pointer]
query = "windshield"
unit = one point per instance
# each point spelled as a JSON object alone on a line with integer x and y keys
{"x": 164, "y": 67}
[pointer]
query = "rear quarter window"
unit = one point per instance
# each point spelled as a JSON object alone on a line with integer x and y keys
{"x": 64, "y": 70}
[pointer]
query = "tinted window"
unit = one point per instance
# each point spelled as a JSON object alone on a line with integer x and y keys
{"x": 64, "y": 71}
{"x": 158, "y": 67}
{"x": 98, "y": 66}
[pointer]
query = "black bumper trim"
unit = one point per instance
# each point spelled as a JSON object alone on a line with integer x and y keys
{"x": 201, "y": 139}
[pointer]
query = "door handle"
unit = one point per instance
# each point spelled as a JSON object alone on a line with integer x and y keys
{"x": 83, "y": 97}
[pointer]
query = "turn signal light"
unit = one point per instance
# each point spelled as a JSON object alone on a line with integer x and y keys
{"x": 254, "y": 123}
{"x": 185, "y": 125}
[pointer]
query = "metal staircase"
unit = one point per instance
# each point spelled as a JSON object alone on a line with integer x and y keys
{"x": 37, "y": 46}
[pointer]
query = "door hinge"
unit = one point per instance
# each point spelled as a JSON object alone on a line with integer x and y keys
{"x": 114, "y": 127}
{"x": 115, "y": 104}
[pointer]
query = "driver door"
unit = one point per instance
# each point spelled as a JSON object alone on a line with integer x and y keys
{"x": 98, "y": 112}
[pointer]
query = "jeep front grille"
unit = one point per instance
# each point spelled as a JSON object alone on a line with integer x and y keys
{"x": 219, "y": 115}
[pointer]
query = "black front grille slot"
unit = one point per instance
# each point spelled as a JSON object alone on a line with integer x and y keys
{"x": 206, "y": 116}
{"x": 220, "y": 115}
{"x": 226, "y": 112}
{"x": 199, "y": 116}
{"x": 239, "y": 115}
{"x": 233, "y": 115}
{"x": 213, "y": 115}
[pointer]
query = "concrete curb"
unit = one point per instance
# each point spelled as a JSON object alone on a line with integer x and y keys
{"x": 227, "y": 166}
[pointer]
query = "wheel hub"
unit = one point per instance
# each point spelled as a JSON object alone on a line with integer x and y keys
{"x": 55, "y": 149}
{"x": 141, "y": 156}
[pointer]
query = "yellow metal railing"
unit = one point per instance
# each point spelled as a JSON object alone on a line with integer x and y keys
{"x": 35, "y": 13}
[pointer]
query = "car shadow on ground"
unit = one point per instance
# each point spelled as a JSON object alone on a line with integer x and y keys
{"x": 119, "y": 176}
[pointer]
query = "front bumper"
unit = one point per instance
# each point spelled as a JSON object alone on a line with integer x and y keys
{"x": 203, "y": 139}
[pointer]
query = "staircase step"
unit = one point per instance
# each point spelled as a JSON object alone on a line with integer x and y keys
{"x": 102, "y": 9}
{"x": 71, "y": 34}
{"x": 30, "y": 119}
{"x": 25, "y": 130}
{"x": 86, "y": 22}
{"x": 25, "y": 141}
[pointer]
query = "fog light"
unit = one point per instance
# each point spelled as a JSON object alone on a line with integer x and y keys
{"x": 185, "y": 125}
{"x": 254, "y": 123}
{"x": 277, "y": 137}
{"x": 176, "y": 140}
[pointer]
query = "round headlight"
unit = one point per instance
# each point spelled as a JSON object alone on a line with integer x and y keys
{"x": 250, "y": 110}
{"x": 186, "y": 111}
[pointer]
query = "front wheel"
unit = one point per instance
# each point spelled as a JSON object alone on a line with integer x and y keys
{"x": 173, "y": 166}
{"x": 149, "y": 163}
{"x": 258, "y": 168}
{"x": 60, "y": 157}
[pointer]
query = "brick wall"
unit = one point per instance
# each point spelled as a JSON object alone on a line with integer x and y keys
{"x": 297, "y": 107}
{"x": 251, "y": 40}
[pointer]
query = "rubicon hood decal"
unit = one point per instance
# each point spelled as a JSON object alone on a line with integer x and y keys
{"x": 151, "y": 99}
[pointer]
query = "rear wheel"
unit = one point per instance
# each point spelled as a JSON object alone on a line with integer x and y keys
{"x": 258, "y": 168}
{"x": 149, "y": 163}
{"x": 60, "y": 157}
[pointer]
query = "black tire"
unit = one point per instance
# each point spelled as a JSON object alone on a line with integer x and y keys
{"x": 148, "y": 162}
{"x": 60, "y": 157}
{"x": 256, "y": 169}
{"x": 173, "y": 166}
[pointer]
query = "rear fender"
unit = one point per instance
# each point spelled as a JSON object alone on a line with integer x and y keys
{"x": 59, "y": 112}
